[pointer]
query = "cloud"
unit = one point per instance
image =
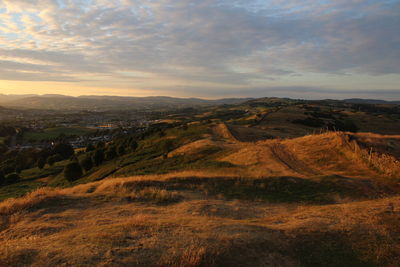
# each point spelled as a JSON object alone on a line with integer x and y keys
{"x": 227, "y": 42}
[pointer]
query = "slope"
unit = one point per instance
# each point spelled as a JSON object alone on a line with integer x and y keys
{"x": 149, "y": 221}
{"x": 318, "y": 200}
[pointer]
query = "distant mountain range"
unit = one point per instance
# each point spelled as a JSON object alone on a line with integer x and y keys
{"x": 100, "y": 103}
{"x": 370, "y": 101}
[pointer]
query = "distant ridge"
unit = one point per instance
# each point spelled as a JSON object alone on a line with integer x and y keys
{"x": 104, "y": 102}
{"x": 7, "y": 98}
{"x": 101, "y": 103}
{"x": 370, "y": 101}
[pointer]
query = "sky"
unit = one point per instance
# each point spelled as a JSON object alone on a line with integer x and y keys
{"x": 308, "y": 49}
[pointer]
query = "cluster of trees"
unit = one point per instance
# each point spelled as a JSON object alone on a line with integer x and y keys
{"x": 371, "y": 108}
{"x": 96, "y": 155}
{"x": 6, "y": 130}
{"x": 9, "y": 178}
{"x": 59, "y": 152}
{"x": 13, "y": 161}
{"x": 346, "y": 125}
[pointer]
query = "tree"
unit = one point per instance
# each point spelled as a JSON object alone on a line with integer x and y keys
{"x": 161, "y": 133}
{"x": 12, "y": 178}
{"x": 2, "y": 178}
{"x": 111, "y": 153}
{"x": 90, "y": 147}
{"x": 167, "y": 146}
{"x": 98, "y": 157}
{"x": 100, "y": 145}
{"x": 53, "y": 159}
{"x": 9, "y": 166}
{"x": 121, "y": 150}
{"x": 41, "y": 163}
{"x": 3, "y": 148}
{"x": 87, "y": 163}
{"x": 73, "y": 158}
{"x": 133, "y": 145}
{"x": 72, "y": 171}
{"x": 65, "y": 150}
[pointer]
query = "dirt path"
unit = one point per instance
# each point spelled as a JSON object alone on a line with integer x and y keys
{"x": 221, "y": 131}
{"x": 280, "y": 153}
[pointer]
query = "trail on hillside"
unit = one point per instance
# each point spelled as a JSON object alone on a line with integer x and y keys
{"x": 290, "y": 160}
{"x": 222, "y": 132}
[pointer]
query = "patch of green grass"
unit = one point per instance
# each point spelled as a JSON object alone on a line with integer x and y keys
{"x": 30, "y": 180}
{"x": 142, "y": 164}
{"x": 181, "y": 136}
{"x": 242, "y": 122}
{"x": 192, "y": 133}
{"x": 52, "y": 133}
{"x": 19, "y": 189}
{"x": 34, "y": 173}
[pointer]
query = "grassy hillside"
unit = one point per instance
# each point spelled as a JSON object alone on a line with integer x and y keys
{"x": 186, "y": 220}
{"x": 250, "y": 185}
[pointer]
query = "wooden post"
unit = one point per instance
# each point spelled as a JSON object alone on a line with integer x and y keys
{"x": 370, "y": 156}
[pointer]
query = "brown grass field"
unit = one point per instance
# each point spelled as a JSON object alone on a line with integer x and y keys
{"x": 329, "y": 199}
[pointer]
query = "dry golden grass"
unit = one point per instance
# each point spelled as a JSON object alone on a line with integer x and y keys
{"x": 160, "y": 220}
{"x": 221, "y": 131}
{"x": 14, "y": 205}
{"x": 329, "y": 153}
{"x": 92, "y": 229}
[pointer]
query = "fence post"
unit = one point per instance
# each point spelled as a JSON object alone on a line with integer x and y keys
{"x": 370, "y": 156}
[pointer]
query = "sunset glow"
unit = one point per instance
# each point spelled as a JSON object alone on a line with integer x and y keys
{"x": 209, "y": 49}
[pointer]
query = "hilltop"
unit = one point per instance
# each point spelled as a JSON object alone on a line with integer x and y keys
{"x": 269, "y": 182}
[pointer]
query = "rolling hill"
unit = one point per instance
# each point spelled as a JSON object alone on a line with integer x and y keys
{"x": 269, "y": 182}
{"x": 274, "y": 202}
{"x": 101, "y": 103}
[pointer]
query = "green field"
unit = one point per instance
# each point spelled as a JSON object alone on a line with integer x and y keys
{"x": 52, "y": 133}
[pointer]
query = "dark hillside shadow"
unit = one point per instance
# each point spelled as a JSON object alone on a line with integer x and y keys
{"x": 323, "y": 190}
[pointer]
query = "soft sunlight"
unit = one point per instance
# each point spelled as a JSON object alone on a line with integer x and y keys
{"x": 210, "y": 49}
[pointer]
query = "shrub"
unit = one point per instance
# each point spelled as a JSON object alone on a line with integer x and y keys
{"x": 90, "y": 147}
{"x": 65, "y": 150}
{"x": 346, "y": 125}
{"x": 309, "y": 121}
{"x": 41, "y": 162}
{"x": 121, "y": 150}
{"x": 2, "y": 178}
{"x": 53, "y": 159}
{"x": 167, "y": 146}
{"x": 72, "y": 171}
{"x": 161, "y": 134}
{"x": 133, "y": 145}
{"x": 100, "y": 145}
{"x": 98, "y": 157}
{"x": 87, "y": 163}
{"x": 111, "y": 153}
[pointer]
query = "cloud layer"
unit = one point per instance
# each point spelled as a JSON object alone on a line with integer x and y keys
{"x": 208, "y": 44}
